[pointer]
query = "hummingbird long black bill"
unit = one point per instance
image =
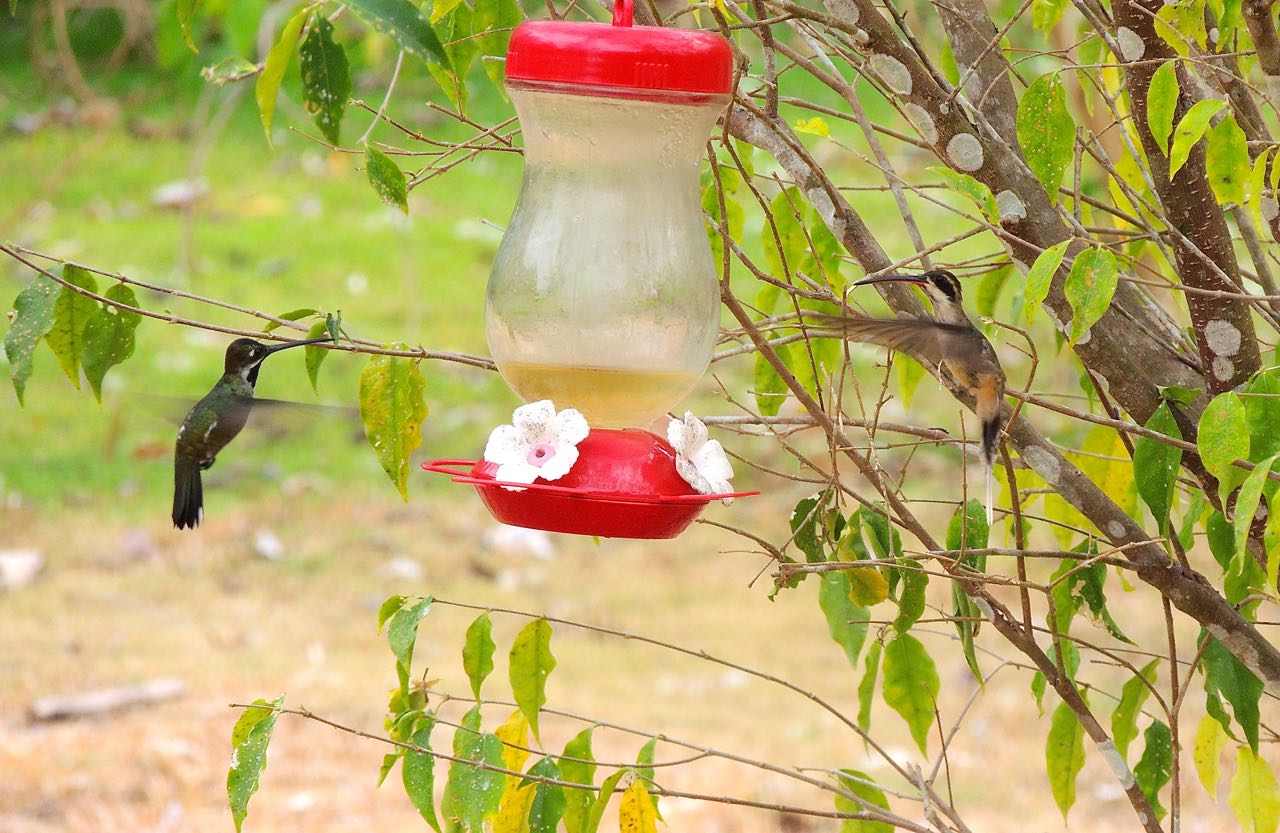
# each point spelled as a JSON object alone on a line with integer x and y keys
{"x": 276, "y": 348}
{"x": 916, "y": 279}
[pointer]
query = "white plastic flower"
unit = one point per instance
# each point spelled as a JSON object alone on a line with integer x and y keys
{"x": 539, "y": 443}
{"x": 699, "y": 460}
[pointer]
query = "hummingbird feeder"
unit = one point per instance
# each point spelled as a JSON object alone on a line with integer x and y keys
{"x": 603, "y": 294}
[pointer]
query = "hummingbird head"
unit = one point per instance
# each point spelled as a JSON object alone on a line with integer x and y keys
{"x": 942, "y": 287}
{"x": 245, "y": 356}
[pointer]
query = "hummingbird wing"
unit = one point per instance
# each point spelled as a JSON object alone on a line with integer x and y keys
{"x": 926, "y": 340}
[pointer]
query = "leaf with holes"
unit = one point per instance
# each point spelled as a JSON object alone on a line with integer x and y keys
{"x": 1156, "y": 765}
{"x": 267, "y": 87}
{"x": 402, "y": 21}
{"x": 474, "y": 789}
{"x": 1046, "y": 131}
{"x": 387, "y": 179}
{"x": 108, "y": 337}
{"x": 392, "y": 409}
{"x": 1189, "y": 131}
{"x": 911, "y": 685}
{"x": 71, "y": 315}
{"x": 249, "y": 740}
{"x": 32, "y": 319}
{"x": 1089, "y": 289}
{"x": 326, "y": 78}
{"x": 548, "y": 804}
{"x": 418, "y": 773}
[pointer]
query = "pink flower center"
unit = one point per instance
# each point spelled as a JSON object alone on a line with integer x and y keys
{"x": 541, "y": 453}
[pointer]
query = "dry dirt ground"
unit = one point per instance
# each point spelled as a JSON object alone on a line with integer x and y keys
{"x": 120, "y": 604}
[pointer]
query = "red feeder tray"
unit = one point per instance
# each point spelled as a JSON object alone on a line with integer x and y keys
{"x": 623, "y": 485}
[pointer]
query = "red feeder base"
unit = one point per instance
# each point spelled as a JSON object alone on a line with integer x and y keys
{"x": 623, "y": 485}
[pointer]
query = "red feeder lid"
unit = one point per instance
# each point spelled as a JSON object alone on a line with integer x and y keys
{"x": 621, "y": 55}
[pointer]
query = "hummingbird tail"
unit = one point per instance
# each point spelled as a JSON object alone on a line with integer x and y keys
{"x": 990, "y": 436}
{"x": 991, "y": 496}
{"x": 188, "y": 494}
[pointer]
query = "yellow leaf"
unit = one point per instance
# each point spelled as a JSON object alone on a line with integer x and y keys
{"x": 867, "y": 586}
{"x": 1210, "y": 738}
{"x": 1254, "y": 796}
{"x": 816, "y": 126}
{"x": 636, "y": 815}
{"x": 513, "y": 810}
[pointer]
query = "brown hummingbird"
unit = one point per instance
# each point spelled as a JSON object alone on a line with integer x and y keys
{"x": 215, "y": 421}
{"x": 950, "y": 342}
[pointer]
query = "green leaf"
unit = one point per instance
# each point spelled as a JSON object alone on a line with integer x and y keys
{"x": 231, "y": 68}
{"x": 1040, "y": 277}
{"x": 846, "y": 620}
{"x": 578, "y": 766}
{"x": 71, "y": 314}
{"x": 1223, "y": 438}
{"x": 531, "y": 663}
{"x": 1046, "y": 14}
{"x": 1206, "y": 752}
{"x": 1155, "y": 465}
{"x": 108, "y": 337}
{"x": 1245, "y": 509}
{"x": 1089, "y": 288}
{"x": 403, "y": 22}
{"x": 477, "y": 653}
{"x": 388, "y": 608}
{"x": 315, "y": 353}
{"x": 333, "y": 325}
{"x": 1262, "y": 409}
{"x": 968, "y": 528}
{"x": 1162, "y": 104}
{"x": 33, "y": 318}
{"x": 291, "y": 315}
{"x": 440, "y": 9}
{"x": 1124, "y": 720}
{"x": 910, "y": 373}
{"x": 548, "y": 805}
{"x": 1189, "y": 131}
{"x": 602, "y": 801}
{"x": 1254, "y": 796}
{"x": 911, "y": 685}
{"x": 186, "y": 11}
{"x": 990, "y": 285}
{"x": 1181, "y": 23}
{"x": 387, "y": 179}
{"x": 1064, "y": 756}
{"x": 861, "y": 785}
{"x": 867, "y": 688}
{"x": 392, "y": 409}
{"x": 769, "y": 389}
{"x": 967, "y": 186}
{"x": 418, "y": 772}
{"x": 1045, "y": 131}
{"x": 1227, "y": 676}
{"x": 326, "y": 78}
{"x": 402, "y": 633}
{"x": 1156, "y": 766}
{"x": 1039, "y": 684}
{"x": 249, "y": 740}
{"x": 911, "y": 596}
{"x": 1257, "y": 185}
{"x": 644, "y": 767}
{"x": 473, "y": 793}
{"x": 1227, "y": 161}
{"x": 458, "y": 31}
{"x": 268, "y": 84}
{"x": 388, "y": 763}
{"x": 498, "y": 18}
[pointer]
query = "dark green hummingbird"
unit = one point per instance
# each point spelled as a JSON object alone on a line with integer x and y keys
{"x": 215, "y": 421}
